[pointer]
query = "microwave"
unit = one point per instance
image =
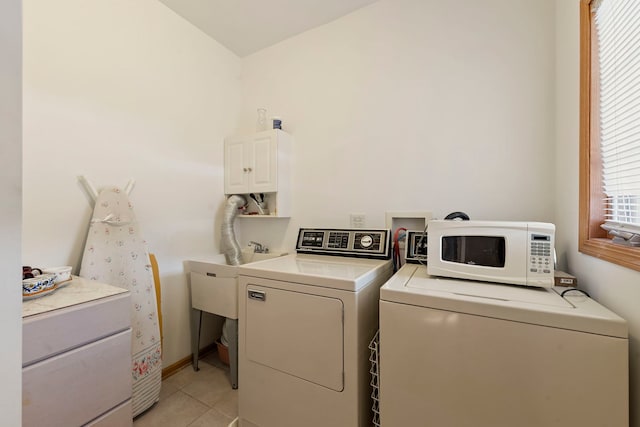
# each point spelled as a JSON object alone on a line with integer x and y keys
{"x": 516, "y": 253}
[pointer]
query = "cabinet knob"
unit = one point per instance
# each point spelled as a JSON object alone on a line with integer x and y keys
{"x": 244, "y": 169}
{"x": 249, "y": 169}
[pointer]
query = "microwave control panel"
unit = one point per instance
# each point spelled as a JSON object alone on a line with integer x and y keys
{"x": 540, "y": 254}
{"x": 345, "y": 242}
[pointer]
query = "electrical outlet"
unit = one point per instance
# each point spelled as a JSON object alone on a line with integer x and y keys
{"x": 357, "y": 220}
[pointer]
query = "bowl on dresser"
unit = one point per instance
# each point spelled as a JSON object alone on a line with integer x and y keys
{"x": 38, "y": 285}
{"x": 63, "y": 274}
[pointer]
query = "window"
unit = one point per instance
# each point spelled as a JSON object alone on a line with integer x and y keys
{"x": 610, "y": 129}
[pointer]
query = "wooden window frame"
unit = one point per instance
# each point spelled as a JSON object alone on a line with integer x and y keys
{"x": 592, "y": 239}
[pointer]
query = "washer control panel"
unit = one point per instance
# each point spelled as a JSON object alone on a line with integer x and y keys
{"x": 416, "y": 247}
{"x": 345, "y": 242}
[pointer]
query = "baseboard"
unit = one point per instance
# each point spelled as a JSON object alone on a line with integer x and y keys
{"x": 175, "y": 367}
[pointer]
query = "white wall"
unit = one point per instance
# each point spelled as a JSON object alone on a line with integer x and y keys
{"x": 116, "y": 89}
{"x": 411, "y": 105}
{"x": 10, "y": 212}
{"x": 616, "y": 287}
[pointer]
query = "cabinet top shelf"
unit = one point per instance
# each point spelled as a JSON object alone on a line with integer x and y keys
{"x": 261, "y": 216}
{"x": 242, "y": 135}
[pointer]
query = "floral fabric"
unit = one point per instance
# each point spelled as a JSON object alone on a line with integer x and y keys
{"x": 115, "y": 253}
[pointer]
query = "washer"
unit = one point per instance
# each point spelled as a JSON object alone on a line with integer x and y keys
{"x": 305, "y": 322}
{"x": 462, "y": 353}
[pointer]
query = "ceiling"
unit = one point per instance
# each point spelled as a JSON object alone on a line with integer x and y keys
{"x": 247, "y": 26}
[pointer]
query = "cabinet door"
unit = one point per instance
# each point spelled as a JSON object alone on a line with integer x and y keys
{"x": 236, "y": 166}
{"x": 263, "y": 176}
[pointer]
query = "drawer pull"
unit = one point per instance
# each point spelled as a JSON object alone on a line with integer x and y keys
{"x": 257, "y": 295}
{"x": 211, "y": 274}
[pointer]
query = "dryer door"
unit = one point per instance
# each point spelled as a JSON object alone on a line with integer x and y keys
{"x": 296, "y": 333}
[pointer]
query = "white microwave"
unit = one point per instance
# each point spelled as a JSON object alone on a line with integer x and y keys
{"x": 516, "y": 253}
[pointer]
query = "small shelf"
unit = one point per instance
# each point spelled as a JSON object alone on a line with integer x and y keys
{"x": 277, "y": 204}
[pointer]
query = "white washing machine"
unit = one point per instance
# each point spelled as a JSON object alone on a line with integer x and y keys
{"x": 457, "y": 353}
{"x": 305, "y": 322}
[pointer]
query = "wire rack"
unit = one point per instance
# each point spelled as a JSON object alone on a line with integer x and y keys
{"x": 374, "y": 346}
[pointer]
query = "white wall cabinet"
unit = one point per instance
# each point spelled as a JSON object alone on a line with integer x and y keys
{"x": 76, "y": 361}
{"x": 261, "y": 164}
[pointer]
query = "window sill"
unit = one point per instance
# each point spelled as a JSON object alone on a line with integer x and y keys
{"x": 606, "y": 250}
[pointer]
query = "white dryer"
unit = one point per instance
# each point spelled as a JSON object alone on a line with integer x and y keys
{"x": 457, "y": 353}
{"x": 305, "y": 322}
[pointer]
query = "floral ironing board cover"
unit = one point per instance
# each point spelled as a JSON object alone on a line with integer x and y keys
{"x": 115, "y": 253}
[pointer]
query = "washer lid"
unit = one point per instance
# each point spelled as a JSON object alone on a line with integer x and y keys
{"x": 350, "y": 274}
{"x": 541, "y": 306}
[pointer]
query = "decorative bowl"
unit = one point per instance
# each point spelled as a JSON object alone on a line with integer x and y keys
{"x": 38, "y": 285}
{"x": 62, "y": 273}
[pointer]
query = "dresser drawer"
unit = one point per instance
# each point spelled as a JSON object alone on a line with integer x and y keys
{"x": 121, "y": 416}
{"x": 71, "y": 388}
{"x": 57, "y": 331}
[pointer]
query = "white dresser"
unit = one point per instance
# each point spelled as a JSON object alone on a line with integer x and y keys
{"x": 76, "y": 357}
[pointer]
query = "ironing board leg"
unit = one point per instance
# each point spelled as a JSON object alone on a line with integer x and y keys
{"x": 195, "y": 350}
{"x": 233, "y": 352}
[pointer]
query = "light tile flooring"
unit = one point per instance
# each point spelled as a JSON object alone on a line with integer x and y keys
{"x": 194, "y": 399}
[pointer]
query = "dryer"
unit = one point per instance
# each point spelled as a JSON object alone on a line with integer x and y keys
{"x": 305, "y": 322}
{"x": 469, "y": 354}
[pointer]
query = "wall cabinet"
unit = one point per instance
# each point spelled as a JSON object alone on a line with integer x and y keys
{"x": 260, "y": 163}
{"x": 76, "y": 359}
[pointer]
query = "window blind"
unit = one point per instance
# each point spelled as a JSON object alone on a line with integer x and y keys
{"x": 617, "y": 24}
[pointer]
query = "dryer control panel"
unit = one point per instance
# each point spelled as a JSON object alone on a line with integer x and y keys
{"x": 345, "y": 242}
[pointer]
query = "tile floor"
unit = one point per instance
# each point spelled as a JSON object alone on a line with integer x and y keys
{"x": 194, "y": 399}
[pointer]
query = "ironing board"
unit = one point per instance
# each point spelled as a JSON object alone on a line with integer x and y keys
{"x": 115, "y": 253}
